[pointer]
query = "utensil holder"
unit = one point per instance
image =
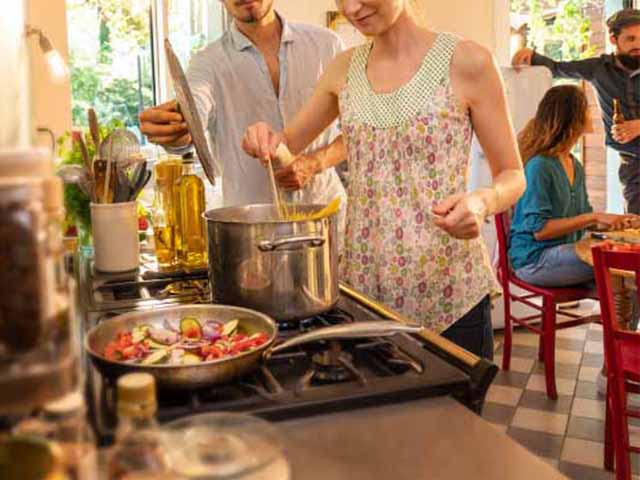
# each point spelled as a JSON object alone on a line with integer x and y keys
{"x": 115, "y": 236}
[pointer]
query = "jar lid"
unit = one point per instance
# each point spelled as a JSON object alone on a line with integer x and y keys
{"x": 224, "y": 445}
{"x": 68, "y": 405}
{"x": 137, "y": 395}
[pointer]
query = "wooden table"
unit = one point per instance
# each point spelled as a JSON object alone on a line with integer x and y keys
{"x": 622, "y": 281}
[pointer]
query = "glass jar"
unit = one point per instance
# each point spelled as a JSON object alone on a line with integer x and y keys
{"x": 38, "y": 360}
{"x": 224, "y": 446}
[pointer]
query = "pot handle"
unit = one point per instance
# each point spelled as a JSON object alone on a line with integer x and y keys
{"x": 272, "y": 245}
{"x": 381, "y": 328}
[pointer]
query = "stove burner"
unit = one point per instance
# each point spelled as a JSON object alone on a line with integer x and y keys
{"x": 295, "y": 326}
{"x": 330, "y": 366}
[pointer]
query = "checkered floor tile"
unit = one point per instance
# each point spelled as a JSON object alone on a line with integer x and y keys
{"x": 568, "y": 432}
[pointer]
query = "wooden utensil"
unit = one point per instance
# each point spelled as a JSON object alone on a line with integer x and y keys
{"x": 107, "y": 177}
{"x": 94, "y": 128}
{"x": 85, "y": 155}
{"x": 275, "y": 192}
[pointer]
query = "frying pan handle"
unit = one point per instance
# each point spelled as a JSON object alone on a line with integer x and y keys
{"x": 382, "y": 328}
{"x": 272, "y": 245}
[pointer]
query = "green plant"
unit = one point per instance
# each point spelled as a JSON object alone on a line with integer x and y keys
{"x": 110, "y": 60}
{"x": 76, "y": 203}
{"x": 558, "y": 28}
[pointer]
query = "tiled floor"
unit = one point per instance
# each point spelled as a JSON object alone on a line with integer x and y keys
{"x": 568, "y": 432}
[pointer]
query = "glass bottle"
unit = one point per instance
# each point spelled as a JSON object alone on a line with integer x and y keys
{"x": 63, "y": 425}
{"x": 164, "y": 212}
{"x": 618, "y": 116}
{"x": 189, "y": 191}
{"x": 71, "y": 432}
{"x": 138, "y": 452}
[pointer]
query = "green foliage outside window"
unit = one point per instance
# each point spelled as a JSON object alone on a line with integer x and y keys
{"x": 559, "y": 29}
{"x": 110, "y": 59}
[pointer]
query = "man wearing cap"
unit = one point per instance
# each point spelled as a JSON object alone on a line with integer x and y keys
{"x": 615, "y": 76}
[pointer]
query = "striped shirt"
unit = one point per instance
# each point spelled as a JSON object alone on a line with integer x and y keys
{"x": 232, "y": 89}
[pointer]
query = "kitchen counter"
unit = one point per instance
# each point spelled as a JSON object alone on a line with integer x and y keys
{"x": 435, "y": 439}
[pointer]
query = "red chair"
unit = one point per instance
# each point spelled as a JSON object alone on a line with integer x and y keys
{"x": 622, "y": 360}
{"x": 546, "y": 318}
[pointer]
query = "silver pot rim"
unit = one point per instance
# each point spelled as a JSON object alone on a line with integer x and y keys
{"x": 311, "y": 207}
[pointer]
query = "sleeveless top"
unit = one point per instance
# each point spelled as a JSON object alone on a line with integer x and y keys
{"x": 407, "y": 151}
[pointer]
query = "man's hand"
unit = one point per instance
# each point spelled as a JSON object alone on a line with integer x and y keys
{"x": 299, "y": 173}
{"x": 522, "y": 57}
{"x": 626, "y": 132}
{"x": 165, "y": 126}
{"x": 261, "y": 141}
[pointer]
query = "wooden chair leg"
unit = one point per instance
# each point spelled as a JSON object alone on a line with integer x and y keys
{"x": 548, "y": 338}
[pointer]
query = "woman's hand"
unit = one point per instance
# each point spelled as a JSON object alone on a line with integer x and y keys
{"x": 296, "y": 175}
{"x": 616, "y": 222}
{"x": 261, "y": 141}
{"x": 461, "y": 215}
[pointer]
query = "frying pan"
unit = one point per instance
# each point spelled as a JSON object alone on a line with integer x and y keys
{"x": 222, "y": 370}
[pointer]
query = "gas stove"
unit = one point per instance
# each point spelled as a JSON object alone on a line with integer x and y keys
{"x": 321, "y": 377}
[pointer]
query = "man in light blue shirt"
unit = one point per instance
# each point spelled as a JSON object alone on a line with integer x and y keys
{"x": 262, "y": 69}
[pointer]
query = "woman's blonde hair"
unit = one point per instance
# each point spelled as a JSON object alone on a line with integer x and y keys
{"x": 560, "y": 121}
{"x": 417, "y": 11}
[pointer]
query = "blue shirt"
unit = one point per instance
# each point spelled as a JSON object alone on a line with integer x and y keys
{"x": 549, "y": 195}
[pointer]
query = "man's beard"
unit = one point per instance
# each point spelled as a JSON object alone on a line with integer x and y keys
{"x": 631, "y": 62}
{"x": 255, "y": 17}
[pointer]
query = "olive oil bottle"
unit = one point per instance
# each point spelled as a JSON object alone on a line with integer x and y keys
{"x": 164, "y": 213}
{"x": 190, "y": 236}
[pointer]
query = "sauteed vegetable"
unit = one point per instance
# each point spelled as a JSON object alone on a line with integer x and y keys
{"x": 189, "y": 343}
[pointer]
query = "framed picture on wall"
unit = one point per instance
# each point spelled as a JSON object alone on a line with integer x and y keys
{"x": 347, "y": 32}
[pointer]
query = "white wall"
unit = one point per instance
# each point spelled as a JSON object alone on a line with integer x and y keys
{"x": 306, "y": 11}
{"x": 485, "y": 21}
{"x": 51, "y": 104}
{"x": 14, "y": 81}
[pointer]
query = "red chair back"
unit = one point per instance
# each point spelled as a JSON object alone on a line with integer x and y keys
{"x": 603, "y": 261}
{"x": 620, "y": 351}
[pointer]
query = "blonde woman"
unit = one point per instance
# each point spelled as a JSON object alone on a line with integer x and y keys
{"x": 555, "y": 210}
{"x": 409, "y": 102}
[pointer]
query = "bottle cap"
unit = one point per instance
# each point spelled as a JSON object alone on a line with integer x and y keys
{"x": 188, "y": 157}
{"x": 137, "y": 395}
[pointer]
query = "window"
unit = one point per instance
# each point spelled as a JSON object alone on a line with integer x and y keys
{"x": 117, "y": 55}
{"x": 111, "y": 59}
{"x": 192, "y": 25}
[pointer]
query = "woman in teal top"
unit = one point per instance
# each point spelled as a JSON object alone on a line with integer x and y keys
{"x": 554, "y": 211}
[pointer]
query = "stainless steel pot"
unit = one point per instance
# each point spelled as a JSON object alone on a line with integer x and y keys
{"x": 285, "y": 269}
